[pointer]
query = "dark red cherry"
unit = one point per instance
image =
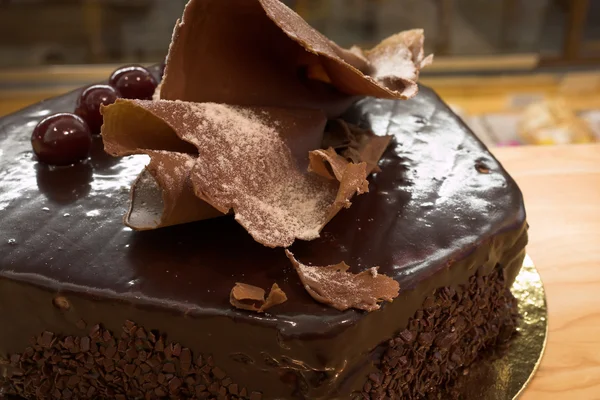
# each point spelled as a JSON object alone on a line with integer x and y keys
{"x": 133, "y": 82}
{"x": 88, "y": 105}
{"x": 61, "y": 139}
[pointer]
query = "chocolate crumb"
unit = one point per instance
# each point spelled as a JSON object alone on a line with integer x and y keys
{"x": 61, "y": 303}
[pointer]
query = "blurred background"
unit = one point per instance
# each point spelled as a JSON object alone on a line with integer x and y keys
{"x": 517, "y": 71}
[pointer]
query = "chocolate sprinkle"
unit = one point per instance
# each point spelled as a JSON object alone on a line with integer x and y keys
{"x": 100, "y": 366}
{"x": 455, "y": 328}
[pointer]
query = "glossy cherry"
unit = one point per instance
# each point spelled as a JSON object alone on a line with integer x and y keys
{"x": 88, "y": 105}
{"x": 133, "y": 82}
{"x": 61, "y": 139}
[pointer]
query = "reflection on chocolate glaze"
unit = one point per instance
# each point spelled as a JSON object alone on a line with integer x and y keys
{"x": 66, "y": 184}
{"x": 99, "y": 159}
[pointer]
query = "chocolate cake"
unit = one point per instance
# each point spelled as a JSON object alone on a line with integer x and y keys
{"x": 93, "y": 309}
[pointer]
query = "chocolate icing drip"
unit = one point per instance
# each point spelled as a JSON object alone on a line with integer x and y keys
{"x": 429, "y": 220}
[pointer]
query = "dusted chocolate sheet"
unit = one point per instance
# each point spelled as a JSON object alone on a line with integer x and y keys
{"x": 260, "y": 163}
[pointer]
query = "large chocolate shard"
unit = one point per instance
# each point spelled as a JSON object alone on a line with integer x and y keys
{"x": 253, "y": 161}
{"x": 259, "y": 52}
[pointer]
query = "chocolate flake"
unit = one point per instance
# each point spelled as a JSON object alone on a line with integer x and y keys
{"x": 252, "y": 298}
{"x": 335, "y": 286}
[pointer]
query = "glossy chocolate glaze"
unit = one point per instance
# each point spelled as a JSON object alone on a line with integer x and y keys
{"x": 430, "y": 217}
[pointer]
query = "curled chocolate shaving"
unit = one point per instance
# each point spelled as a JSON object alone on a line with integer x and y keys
{"x": 335, "y": 286}
{"x": 286, "y": 62}
{"x": 253, "y": 161}
{"x": 252, "y": 298}
{"x": 163, "y": 194}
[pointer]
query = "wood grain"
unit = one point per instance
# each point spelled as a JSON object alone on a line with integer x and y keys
{"x": 561, "y": 185}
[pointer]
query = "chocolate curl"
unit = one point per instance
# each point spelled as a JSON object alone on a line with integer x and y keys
{"x": 335, "y": 286}
{"x": 286, "y": 63}
{"x": 252, "y": 298}
{"x": 163, "y": 195}
{"x": 253, "y": 161}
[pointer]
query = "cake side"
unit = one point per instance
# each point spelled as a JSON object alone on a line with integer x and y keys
{"x": 432, "y": 220}
{"x": 253, "y": 357}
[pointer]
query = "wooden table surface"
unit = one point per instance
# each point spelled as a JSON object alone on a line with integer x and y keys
{"x": 561, "y": 185}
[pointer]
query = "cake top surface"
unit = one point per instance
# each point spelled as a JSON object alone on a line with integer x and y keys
{"x": 440, "y": 193}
